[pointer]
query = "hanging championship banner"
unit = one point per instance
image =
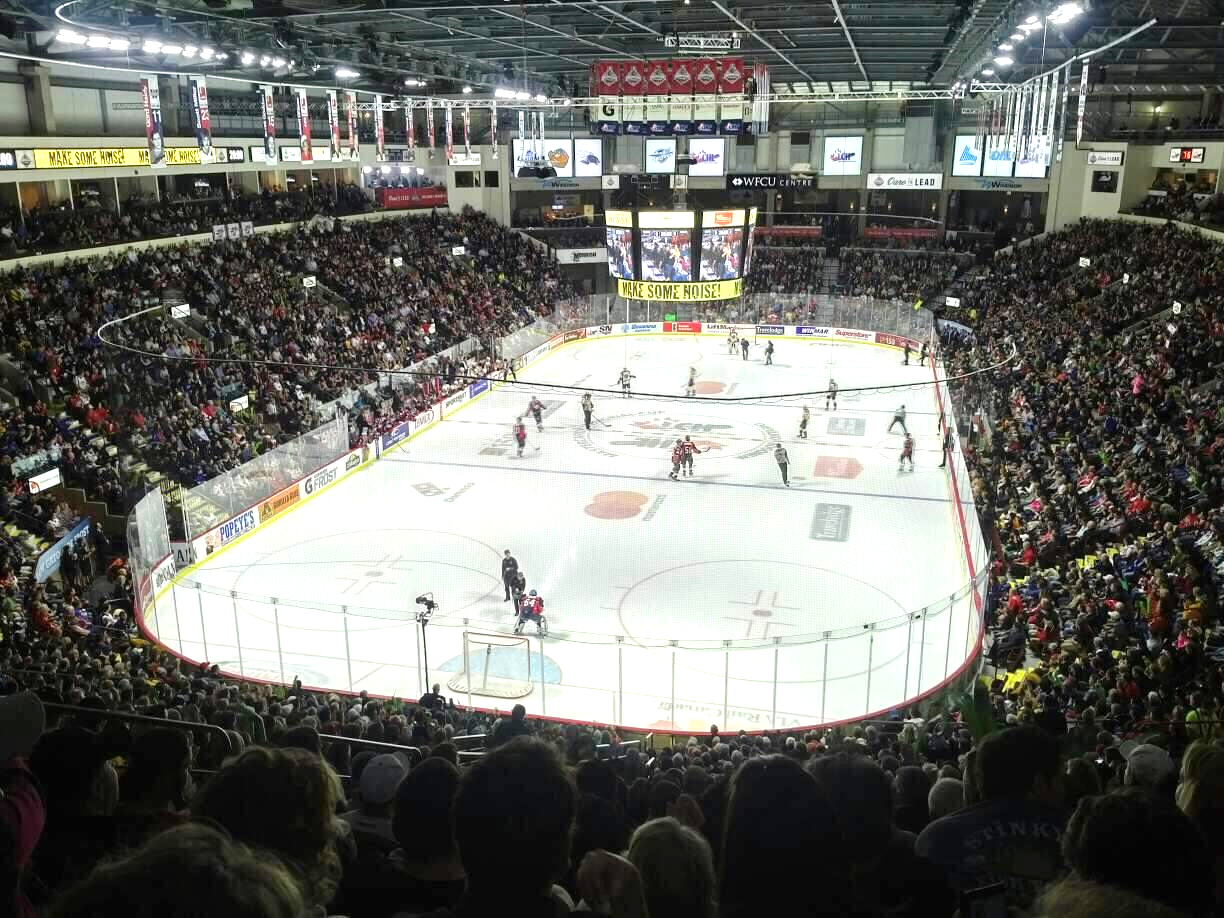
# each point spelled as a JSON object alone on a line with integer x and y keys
{"x": 1062, "y": 112}
{"x": 450, "y": 132}
{"x": 303, "y": 118}
{"x": 681, "y": 110}
{"x": 268, "y": 109}
{"x": 1052, "y": 105}
{"x": 760, "y": 98}
{"x": 410, "y": 123}
{"x": 1022, "y": 102}
{"x": 633, "y": 98}
{"x": 380, "y": 131}
{"x": 1040, "y": 111}
{"x": 429, "y": 124}
{"x": 155, "y": 134}
{"x": 467, "y": 130}
{"x": 705, "y": 96}
{"x": 333, "y": 125}
{"x": 493, "y": 127}
{"x": 201, "y": 123}
{"x": 354, "y": 152}
{"x": 1082, "y": 105}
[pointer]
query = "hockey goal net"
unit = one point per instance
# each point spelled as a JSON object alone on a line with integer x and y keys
{"x": 496, "y": 665}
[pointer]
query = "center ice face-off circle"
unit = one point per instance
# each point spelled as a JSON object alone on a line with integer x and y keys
{"x": 652, "y": 433}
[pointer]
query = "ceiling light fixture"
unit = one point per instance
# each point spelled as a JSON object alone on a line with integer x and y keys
{"x": 541, "y": 98}
{"x": 248, "y": 58}
{"x": 1006, "y": 46}
{"x": 988, "y": 72}
{"x": 171, "y": 49}
{"x": 119, "y": 44}
{"x": 69, "y": 37}
{"x": 189, "y": 50}
{"x": 343, "y": 73}
{"x": 206, "y": 54}
{"x": 1003, "y": 61}
{"x": 222, "y": 55}
{"x": 521, "y": 96}
{"x": 151, "y": 46}
{"x": 1017, "y": 36}
{"x": 467, "y": 90}
{"x": 98, "y": 41}
{"x": 278, "y": 62}
{"x": 265, "y": 61}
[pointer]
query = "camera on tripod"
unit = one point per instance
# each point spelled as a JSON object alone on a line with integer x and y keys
{"x": 426, "y": 600}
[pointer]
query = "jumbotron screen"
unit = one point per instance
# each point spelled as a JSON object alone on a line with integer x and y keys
{"x": 679, "y": 246}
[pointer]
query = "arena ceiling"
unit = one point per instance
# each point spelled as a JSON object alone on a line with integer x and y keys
{"x": 547, "y": 46}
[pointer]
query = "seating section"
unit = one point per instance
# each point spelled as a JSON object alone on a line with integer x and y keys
{"x": 1096, "y": 737}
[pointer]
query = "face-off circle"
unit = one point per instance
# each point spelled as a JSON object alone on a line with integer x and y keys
{"x": 649, "y": 434}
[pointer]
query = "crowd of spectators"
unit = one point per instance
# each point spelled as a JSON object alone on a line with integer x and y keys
{"x": 889, "y": 273}
{"x": 54, "y": 229}
{"x": 786, "y": 270}
{"x": 1089, "y": 781}
{"x": 248, "y": 302}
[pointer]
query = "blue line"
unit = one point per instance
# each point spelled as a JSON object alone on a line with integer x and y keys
{"x": 724, "y": 484}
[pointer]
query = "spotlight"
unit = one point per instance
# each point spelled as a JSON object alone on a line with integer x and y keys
{"x": 206, "y": 53}
{"x": 69, "y": 37}
{"x": 989, "y": 71}
{"x": 119, "y": 44}
{"x": 222, "y": 55}
{"x": 151, "y": 46}
{"x": 278, "y": 62}
{"x": 541, "y": 98}
{"x": 1003, "y": 61}
{"x": 343, "y": 73}
{"x": 171, "y": 49}
{"x": 467, "y": 90}
{"x": 98, "y": 41}
{"x": 1005, "y": 46}
{"x": 189, "y": 50}
{"x": 248, "y": 58}
{"x": 265, "y": 61}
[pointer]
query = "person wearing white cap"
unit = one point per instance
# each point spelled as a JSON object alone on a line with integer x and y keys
{"x": 376, "y": 788}
{"x": 1150, "y": 767}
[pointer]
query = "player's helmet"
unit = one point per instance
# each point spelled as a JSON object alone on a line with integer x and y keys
{"x": 678, "y": 441}
{"x": 533, "y": 593}
{"x": 517, "y": 420}
{"x": 687, "y": 437}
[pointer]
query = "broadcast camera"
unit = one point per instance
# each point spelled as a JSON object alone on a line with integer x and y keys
{"x": 426, "y": 600}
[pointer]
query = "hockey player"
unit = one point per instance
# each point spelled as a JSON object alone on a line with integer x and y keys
{"x": 803, "y": 422}
{"x": 744, "y": 347}
{"x": 899, "y": 418}
{"x": 518, "y": 586}
{"x": 677, "y": 458}
{"x": 690, "y": 388}
{"x": 537, "y": 411}
{"x": 783, "y": 461}
{"x": 689, "y": 449}
{"x": 948, "y": 443}
{"x": 908, "y": 350}
{"x": 520, "y": 435}
{"x": 588, "y": 407}
{"x": 907, "y": 453}
{"x": 623, "y": 379}
{"x": 531, "y": 610}
{"x": 769, "y": 349}
{"x": 831, "y": 394}
{"x": 922, "y": 355}
{"x": 732, "y": 343}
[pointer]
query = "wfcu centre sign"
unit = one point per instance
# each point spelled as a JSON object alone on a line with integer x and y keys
{"x": 680, "y": 293}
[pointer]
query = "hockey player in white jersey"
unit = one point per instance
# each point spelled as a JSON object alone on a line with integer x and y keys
{"x": 625, "y": 380}
{"x": 690, "y": 387}
{"x": 732, "y": 342}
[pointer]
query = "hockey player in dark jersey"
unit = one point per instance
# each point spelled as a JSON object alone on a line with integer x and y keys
{"x": 907, "y": 453}
{"x": 689, "y": 449}
{"x": 744, "y": 347}
{"x": 677, "y": 458}
{"x": 520, "y": 435}
{"x": 803, "y": 422}
{"x": 587, "y": 408}
{"x": 769, "y": 352}
{"x": 537, "y": 411}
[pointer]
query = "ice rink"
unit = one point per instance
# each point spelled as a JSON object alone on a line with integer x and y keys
{"x": 722, "y": 598}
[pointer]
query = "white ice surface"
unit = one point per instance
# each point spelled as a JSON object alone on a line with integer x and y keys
{"x": 723, "y": 564}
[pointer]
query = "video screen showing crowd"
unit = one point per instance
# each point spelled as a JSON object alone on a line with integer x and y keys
{"x": 620, "y": 253}
{"x": 721, "y": 254}
{"x": 667, "y": 255}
